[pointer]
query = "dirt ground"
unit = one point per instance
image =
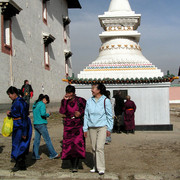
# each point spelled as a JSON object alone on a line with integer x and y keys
{"x": 156, "y": 153}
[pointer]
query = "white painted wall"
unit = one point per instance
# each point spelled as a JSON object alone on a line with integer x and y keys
{"x": 28, "y": 50}
{"x": 152, "y": 101}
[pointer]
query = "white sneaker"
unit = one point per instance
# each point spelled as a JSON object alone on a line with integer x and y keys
{"x": 101, "y": 172}
{"x": 93, "y": 170}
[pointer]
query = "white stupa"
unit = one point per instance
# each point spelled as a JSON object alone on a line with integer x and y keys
{"x": 120, "y": 55}
{"x": 121, "y": 58}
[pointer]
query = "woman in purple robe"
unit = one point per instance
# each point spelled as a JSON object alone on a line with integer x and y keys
{"x": 73, "y": 147}
{"x": 129, "y": 110}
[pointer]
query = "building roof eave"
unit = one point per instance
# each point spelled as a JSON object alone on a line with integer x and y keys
{"x": 9, "y": 8}
{"x": 73, "y": 4}
{"x": 48, "y": 38}
{"x": 162, "y": 81}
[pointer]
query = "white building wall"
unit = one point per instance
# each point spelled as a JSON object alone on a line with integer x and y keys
{"x": 28, "y": 50}
{"x": 152, "y": 101}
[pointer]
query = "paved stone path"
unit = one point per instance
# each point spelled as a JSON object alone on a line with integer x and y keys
{"x": 59, "y": 175}
{"x": 6, "y": 174}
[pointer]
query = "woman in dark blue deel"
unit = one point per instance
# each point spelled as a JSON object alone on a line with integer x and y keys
{"x": 22, "y": 129}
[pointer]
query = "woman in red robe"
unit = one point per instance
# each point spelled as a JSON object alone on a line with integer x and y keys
{"x": 129, "y": 110}
{"x": 73, "y": 147}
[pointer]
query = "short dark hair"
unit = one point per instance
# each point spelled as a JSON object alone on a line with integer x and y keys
{"x": 70, "y": 89}
{"x": 101, "y": 87}
{"x": 25, "y": 81}
{"x": 12, "y": 90}
{"x": 47, "y": 98}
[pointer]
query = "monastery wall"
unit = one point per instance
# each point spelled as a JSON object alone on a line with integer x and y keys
{"x": 150, "y": 99}
{"x": 28, "y": 50}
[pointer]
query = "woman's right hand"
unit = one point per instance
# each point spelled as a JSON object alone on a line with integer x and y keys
{"x": 8, "y": 113}
{"x": 66, "y": 98}
{"x": 108, "y": 133}
{"x": 85, "y": 134}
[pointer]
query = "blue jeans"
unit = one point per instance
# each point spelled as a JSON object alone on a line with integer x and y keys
{"x": 41, "y": 129}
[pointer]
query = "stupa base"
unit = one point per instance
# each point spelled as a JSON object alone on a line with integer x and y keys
{"x": 164, "y": 127}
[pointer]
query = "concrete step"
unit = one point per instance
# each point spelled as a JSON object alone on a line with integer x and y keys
{"x": 7, "y": 174}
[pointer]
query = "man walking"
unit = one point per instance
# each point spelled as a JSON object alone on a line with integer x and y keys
{"x": 118, "y": 109}
{"x": 27, "y": 92}
{"x": 129, "y": 110}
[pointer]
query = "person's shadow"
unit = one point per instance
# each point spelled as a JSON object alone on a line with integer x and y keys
{"x": 1, "y": 148}
{"x": 88, "y": 161}
{"x": 43, "y": 149}
{"x": 30, "y": 161}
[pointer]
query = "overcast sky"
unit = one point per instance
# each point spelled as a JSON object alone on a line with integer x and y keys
{"x": 160, "y": 32}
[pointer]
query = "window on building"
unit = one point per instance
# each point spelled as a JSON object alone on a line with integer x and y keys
{"x": 7, "y": 32}
{"x": 67, "y": 55}
{"x": 48, "y": 38}
{"x": 44, "y": 10}
{"x": 46, "y": 57}
{"x": 65, "y": 35}
{"x": 6, "y": 40}
{"x": 66, "y": 69}
{"x": 8, "y": 10}
{"x": 66, "y": 22}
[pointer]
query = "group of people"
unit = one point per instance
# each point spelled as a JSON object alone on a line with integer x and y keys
{"x": 81, "y": 116}
{"x": 93, "y": 117}
{"x": 124, "y": 114}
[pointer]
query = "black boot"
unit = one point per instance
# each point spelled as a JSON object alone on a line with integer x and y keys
{"x": 132, "y": 131}
{"x": 20, "y": 164}
{"x": 13, "y": 160}
{"x": 16, "y": 167}
{"x": 119, "y": 130}
{"x": 75, "y": 162}
{"x": 72, "y": 164}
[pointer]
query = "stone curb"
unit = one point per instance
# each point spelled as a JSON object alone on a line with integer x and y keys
{"x": 147, "y": 177}
{"x": 58, "y": 175}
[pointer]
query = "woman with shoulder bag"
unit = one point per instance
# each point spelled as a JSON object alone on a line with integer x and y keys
{"x": 99, "y": 121}
{"x": 22, "y": 129}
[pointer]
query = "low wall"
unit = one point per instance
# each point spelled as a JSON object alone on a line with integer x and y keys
{"x": 152, "y": 101}
{"x": 174, "y": 94}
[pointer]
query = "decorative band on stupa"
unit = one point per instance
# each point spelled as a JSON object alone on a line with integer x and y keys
{"x": 119, "y": 46}
{"x": 119, "y": 67}
{"x": 119, "y": 28}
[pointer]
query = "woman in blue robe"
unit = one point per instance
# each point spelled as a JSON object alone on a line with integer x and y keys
{"x": 22, "y": 129}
